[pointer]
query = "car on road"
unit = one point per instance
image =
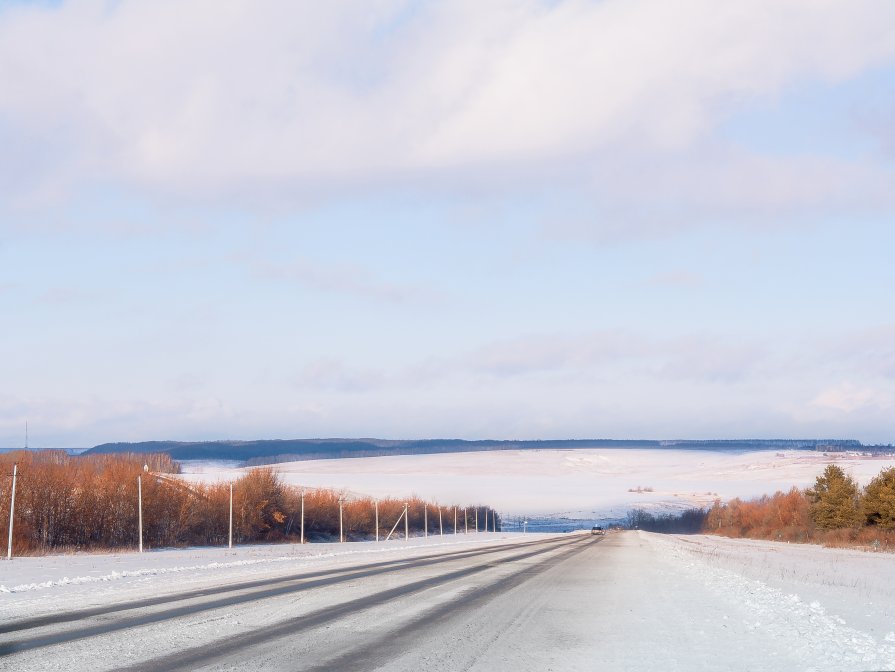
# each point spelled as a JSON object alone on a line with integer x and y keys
{"x": 596, "y": 529}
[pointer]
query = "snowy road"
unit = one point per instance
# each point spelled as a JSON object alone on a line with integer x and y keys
{"x": 630, "y": 601}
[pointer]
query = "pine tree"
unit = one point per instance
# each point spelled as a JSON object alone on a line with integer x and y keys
{"x": 835, "y": 500}
{"x": 878, "y": 504}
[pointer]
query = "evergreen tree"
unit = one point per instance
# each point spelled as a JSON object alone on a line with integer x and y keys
{"x": 878, "y": 505}
{"x": 835, "y": 500}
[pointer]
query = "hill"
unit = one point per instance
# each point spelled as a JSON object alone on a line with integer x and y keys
{"x": 280, "y": 450}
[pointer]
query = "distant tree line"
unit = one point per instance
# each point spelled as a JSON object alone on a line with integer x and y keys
{"x": 689, "y": 521}
{"x": 90, "y": 502}
{"x": 835, "y": 510}
{"x": 269, "y": 451}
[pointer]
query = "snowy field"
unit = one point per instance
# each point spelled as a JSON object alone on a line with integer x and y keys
{"x": 579, "y": 483}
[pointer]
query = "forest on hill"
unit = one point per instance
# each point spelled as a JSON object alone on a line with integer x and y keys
{"x": 270, "y": 451}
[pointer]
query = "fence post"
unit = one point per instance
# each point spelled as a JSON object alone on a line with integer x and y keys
{"x": 406, "y": 523}
{"x": 341, "y": 534}
{"x": 376, "y": 508}
{"x": 476, "y": 519}
{"x": 465, "y": 521}
{"x": 440, "y": 526}
{"x": 140, "y": 510}
{"x": 455, "y": 520}
{"x": 12, "y": 510}
{"x": 395, "y": 526}
{"x": 230, "y": 538}
{"x": 302, "y": 515}
{"x": 426, "y": 520}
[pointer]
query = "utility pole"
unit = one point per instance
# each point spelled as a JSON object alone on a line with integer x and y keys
{"x": 12, "y": 510}
{"x": 230, "y": 542}
{"x": 140, "y": 510}
{"x": 376, "y": 509}
{"x": 302, "y": 515}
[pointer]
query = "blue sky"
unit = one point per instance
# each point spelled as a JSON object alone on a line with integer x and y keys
{"x": 526, "y": 219}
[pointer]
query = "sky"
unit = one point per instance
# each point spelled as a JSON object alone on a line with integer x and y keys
{"x": 223, "y": 219}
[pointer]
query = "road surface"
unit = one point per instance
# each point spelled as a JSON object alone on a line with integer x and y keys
{"x": 629, "y": 601}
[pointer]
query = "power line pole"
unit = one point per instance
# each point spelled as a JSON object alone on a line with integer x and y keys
{"x": 12, "y": 510}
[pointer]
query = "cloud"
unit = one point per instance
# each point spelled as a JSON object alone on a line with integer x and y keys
{"x": 610, "y": 355}
{"x": 602, "y": 383}
{"x": 192, "y": 96}
{"x": 680, "y": 279}
{"x": 61, "y": 296}
{"x": 341, "y": 278}
{"x": 848, "y": 398}
{"x": 332, "y": 374}
{"x": 869, "y": 352}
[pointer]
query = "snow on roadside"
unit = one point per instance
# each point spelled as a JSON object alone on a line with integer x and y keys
{"x": 811, "y": 623}
{"x": 29, "y": 582}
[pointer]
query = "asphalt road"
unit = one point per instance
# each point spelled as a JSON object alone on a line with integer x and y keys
{"x": 474, "y": 608}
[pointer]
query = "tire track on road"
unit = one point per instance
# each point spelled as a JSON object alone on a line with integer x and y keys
{"x": 389, "y": 647}
{"x": 208, "y": 653}
{"x": 271, "y": 588}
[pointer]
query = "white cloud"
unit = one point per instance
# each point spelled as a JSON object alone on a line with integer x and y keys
{"x": 341, "y": 278}
{"x": 332, "y": 374}
{"x": 680, "y": 279}
{"x": 202, "y": 95}
{"x": 848, "y": 398}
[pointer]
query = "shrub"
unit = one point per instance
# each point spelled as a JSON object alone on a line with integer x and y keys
{"x": 878, "y": 504}
{"x": 835, "y": 500}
